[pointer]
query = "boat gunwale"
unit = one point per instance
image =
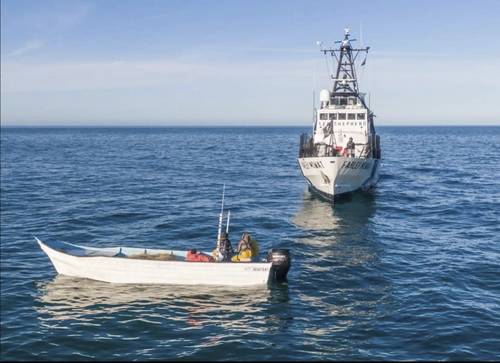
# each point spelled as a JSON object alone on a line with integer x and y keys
{"x": 41, "y": 243}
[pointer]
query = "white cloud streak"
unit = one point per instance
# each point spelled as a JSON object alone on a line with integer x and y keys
{"x": 403, "y": 89}
{"x": 26, "y": 48}
{"x": 55, "y": 18}
{"x": 126, "y": 74}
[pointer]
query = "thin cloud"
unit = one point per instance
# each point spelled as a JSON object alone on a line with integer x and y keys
{"x": 110, "y": 75}
{"x": 403, "y": 89}
{"x": 59, "y": 17}
{"x": 26, "y": 48}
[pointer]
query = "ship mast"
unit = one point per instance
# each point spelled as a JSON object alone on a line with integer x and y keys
{"x": 345, "y": 82}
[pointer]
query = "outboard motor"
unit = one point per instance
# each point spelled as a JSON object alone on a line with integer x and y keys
{"x": 281, "y": 262}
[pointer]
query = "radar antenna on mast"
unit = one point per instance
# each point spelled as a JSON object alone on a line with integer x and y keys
{"x": 345, "y": 82}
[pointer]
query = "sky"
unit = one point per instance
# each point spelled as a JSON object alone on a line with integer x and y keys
{"x": 243, "y": 63}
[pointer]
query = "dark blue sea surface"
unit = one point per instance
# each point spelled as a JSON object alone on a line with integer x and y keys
{"x": 409, "y": 271}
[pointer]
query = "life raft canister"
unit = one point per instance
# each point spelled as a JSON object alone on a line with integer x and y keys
{"x": 194, "y": 256}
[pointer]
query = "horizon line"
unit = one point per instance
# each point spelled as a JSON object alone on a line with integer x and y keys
{"x": 229, "y": 126}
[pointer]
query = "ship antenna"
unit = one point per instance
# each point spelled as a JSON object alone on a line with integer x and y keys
{"x": 314, "y": 110}
{"x": 361, "y": 34}
{"x": 362, "y": 44}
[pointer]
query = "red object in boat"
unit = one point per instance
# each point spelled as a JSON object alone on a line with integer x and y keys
{"x": 194, "y": 256}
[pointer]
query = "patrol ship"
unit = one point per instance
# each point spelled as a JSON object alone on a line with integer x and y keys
{"x": 343, "y": 153}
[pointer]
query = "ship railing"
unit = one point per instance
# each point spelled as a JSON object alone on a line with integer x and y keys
{"x": 309, "y": 149}
{"x": 365, "y": 151}
{"x": 371, "y": 149}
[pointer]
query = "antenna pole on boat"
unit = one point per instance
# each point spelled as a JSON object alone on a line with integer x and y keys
{"x": 219, "y": 231}
{"x": 227, "y": 224}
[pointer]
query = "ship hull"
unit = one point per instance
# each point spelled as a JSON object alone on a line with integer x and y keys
{"x": 332, "y": 177}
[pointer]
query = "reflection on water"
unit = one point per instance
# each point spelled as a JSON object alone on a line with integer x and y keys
{"x": 317, "y": 214}
{"x": 339, "y": 234}
{"x": 338, "y": 247}
{"x": 67, "y": 300}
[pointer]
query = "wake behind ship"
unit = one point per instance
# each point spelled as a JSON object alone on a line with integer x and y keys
{"x": 343, "y": 153}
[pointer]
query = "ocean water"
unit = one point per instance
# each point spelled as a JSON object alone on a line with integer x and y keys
{"x": 408, "y": 271}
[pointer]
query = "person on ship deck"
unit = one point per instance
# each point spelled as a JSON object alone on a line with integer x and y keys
{"x": 350, "y": 148}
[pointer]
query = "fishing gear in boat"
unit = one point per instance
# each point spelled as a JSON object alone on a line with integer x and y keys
{"x": 224, "y": 250}
{"x": 219, "y": 230}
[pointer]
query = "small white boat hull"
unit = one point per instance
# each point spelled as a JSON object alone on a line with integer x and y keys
{"x": 102, "y": 265}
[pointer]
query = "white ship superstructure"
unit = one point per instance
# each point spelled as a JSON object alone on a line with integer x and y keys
{"x": 343, "y": 154}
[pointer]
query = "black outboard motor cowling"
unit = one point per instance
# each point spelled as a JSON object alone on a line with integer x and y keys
{"x": 281, "y": 262}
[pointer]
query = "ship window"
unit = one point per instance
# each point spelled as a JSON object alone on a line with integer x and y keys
{"x": 361, "y": 116}
{"x": 352, "y": 116}
{"x": 352, "y": 101}
{"x": 341, "y": 116}
{"x": 333, "y": 116}
{"x": 323, "y": 116}
{"x": 336, "y": 101}
{"x": 343, "y": 101}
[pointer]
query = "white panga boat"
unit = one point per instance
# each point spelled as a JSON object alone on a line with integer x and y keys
{"x": 131, "y": 265}
{"x": 343, "y": 154}
{"x": 159, "y": 266}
